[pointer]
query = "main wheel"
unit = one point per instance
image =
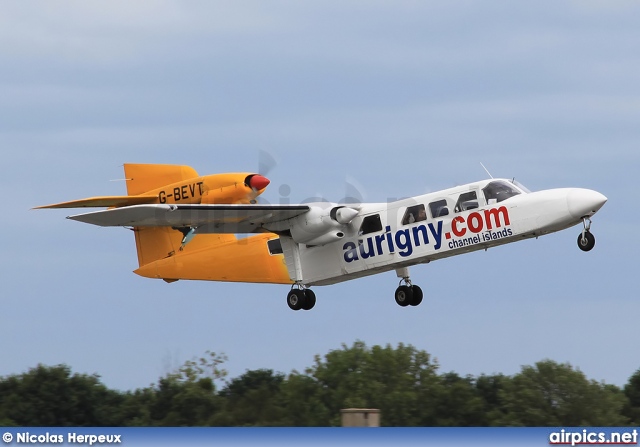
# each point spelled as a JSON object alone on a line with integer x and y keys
{"x": 310, "y": 299}
{"x": 296, "y": 299}
{"x": 404, "y": 295}
{"x": 588, "y": 242}
{"x": 417, "y": 295}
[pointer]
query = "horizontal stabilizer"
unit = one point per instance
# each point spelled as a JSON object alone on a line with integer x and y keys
{"x": 104, "y": 201}
{"x": 207, "y": 218}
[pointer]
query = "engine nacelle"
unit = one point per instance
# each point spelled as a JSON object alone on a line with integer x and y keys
{"x": 232, "y": 188}
{"x": 320, "y": 225}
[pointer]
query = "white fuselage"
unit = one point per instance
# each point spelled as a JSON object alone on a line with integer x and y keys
{"x": 390, "y": 236}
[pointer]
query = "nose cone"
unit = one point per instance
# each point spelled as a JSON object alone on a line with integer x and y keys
{"x": 584, "y": 202}
{"x": 258, "y": 182}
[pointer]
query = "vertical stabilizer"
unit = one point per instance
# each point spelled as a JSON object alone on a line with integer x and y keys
{"x": 155, "y": 243}
{"x": 145, "y": 177}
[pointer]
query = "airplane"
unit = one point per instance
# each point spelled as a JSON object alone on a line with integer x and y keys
{"x": 186, "y": 227}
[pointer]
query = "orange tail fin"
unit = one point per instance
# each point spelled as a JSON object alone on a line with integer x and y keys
{"x": 145, "y": 177}
{"x": 154, "y": 243}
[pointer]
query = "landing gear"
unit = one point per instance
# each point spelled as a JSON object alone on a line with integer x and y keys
{"x": 404, "y": 295}
{"x": 310, "y": 299}
{"x": 295, "y": 299}
{"x": 586, "y": 240}
{"x": 417, "y": 295}
{"x": 407, "y": 294}
{"x": 301, "y": 298}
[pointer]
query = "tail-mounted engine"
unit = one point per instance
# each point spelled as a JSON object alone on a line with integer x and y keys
{"x": 233, "y": 188}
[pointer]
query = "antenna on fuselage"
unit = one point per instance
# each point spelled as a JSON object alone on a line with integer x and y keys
{"x": 486, "y": 170}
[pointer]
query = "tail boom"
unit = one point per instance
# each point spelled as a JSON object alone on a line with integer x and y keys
{"x": 210, "y": 258}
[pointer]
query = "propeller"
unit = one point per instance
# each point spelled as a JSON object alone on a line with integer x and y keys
{"x": 266, "y": 162}
{"x": 257, "y": 182}
{"x": 354, "y": 191}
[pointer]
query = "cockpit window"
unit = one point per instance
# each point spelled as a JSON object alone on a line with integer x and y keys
{"x": 521, "y": 186}
{"x": 498, "y": 191}
{"x": 370, "y": 224}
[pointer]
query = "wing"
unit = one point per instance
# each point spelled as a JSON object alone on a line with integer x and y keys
{"x": 98, "y": 202}
{"x": 207, "y": 218}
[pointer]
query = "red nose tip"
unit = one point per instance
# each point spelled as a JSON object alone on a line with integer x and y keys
{"x": 258, "y": 182}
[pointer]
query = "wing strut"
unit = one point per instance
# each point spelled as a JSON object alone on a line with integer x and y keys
{"x": 291, "y": 253}
{"x": 188, "y": 233}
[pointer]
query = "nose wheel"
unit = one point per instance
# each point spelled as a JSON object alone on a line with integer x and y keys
{"x": 586, "y": 240}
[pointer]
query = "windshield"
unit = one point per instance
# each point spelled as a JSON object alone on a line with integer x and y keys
{"x": 521, "y": 186}
{"x": 498, "y": 191}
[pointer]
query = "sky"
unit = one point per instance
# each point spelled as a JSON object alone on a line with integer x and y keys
{"x": 390, "y": 99}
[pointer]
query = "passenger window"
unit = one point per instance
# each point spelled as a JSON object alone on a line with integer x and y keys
{"x": 370, "y": 224}
{"x": 466, "y": 201}
{"x": 439, "y": 208}
{"x": 498, "y": 191}
{"x": 413, "y": 214}
{"x": 275, "y": 247}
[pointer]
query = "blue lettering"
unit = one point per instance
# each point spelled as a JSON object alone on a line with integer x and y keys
{"x": 437, "y": 235}
{"x": 379, "y": 239}
{"x": 405, "y": 240}
{"x": 425, "y": 237}
{"x": 404, "y": 244}
{"x": 369, "y": 253}
{"x": 351, "y": 254}
{"x": 389, "y": 239}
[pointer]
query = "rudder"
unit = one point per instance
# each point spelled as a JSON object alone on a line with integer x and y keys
{"x": 153, "y": 243}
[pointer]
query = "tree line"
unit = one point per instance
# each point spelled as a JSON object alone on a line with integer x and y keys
{"x": 402, "y": 381}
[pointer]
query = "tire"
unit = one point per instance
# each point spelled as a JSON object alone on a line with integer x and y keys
{"x": 404, "y": 295}
{"x": 296, "y": 299}
{"x": 417, "y": 295}
{"x": 588, "y": 243}
{"x": 310, "y": 299}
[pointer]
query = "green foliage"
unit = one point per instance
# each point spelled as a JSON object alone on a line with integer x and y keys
{"x": 489, "y": 389}
{"x": 456, "y": 402}
{"x": 186, "y": 397}
{"x": 207, "y": 367}
{"x": 52, "y": 396}
{"x": 253, "y": 399}
{"x": 402, "y": 382}
{"x": 303, "y": 402}
{"x": 396, "y": 381}
{"x": 632, "y": 393}
{"x": 554, "y": 394}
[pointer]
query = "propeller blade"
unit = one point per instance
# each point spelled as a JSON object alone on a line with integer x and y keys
{"x": 354, "y": 191}
{"x": 266, "y": 162}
